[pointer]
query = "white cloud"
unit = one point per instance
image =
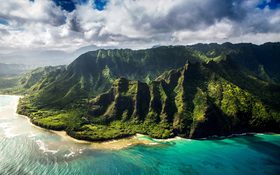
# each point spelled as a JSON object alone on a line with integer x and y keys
{"x": 220, "y": 31}
{"x": 135, "y": 23}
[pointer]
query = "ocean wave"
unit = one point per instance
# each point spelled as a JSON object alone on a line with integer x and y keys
{"x": 8, "y": 130}
{"x": 260, "y": 134}
{"x": 43, "y": 147}
{"x": 71, "y": 154}
{"x": 81, "y": 151}
{"x": 171, "y": 139}
{"x": 31, "y": 135}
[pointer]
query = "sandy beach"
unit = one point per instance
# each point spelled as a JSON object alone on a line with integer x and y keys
{"x": 109, "y": 145}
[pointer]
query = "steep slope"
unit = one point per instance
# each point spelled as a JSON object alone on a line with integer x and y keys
{"x": 29, "y": 81}
{"x": 196, "y": 101}
{"x": 263, "y": 60}
{"x": 10, "y": 75}
{"x": 219, "y": 92}
{"x": 94, "y": 72}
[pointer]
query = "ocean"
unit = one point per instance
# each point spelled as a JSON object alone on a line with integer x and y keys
{"x": 26, "y": 149}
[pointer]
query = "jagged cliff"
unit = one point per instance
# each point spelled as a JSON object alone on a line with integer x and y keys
{"x": 192, "y": 102}
{"x": 195, "y": 101}
{"x": 216, "y": 93}
{"x": 94, "y": 72}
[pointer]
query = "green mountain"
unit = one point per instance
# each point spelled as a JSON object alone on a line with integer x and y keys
{"x": 194, "y": 101}
{"x": 263, "y": 60}
{"x": 9, "y": 74}
{"x": 108, "y": 94}
{"x": 94, "y": 72}
{"x": 23, "y": 82}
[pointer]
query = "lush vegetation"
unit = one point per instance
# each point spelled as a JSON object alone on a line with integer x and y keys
{"x": 28, "y": 81}
{"x": 109, "y": 94}
{"x": 10, "y": 76}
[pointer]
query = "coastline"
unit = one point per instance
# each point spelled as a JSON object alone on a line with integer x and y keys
{"x": 121, "y": 143}
{"x": 114, "y": 144}
{"x": 137, "y": 139}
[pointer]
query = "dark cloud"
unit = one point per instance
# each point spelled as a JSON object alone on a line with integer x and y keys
{"x": 130, "y": 22}
{"x": 4, "y": 32}
{"x": 74, "y": 24}
{"x": 194, "y": 15}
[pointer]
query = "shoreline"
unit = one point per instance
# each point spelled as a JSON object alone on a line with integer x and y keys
{"x": 114, "y": 144}
{"x": 137, "y": 139}
{"x": 121, "y": 143}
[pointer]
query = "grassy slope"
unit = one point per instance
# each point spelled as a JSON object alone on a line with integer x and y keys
{"x": 29, "y": 81}
{"x": 241, "y": 89}
{"x": 195, "y": 101}
{"x": 94, "y": 72}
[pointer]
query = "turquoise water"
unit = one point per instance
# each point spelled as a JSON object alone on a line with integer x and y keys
{"x": 25, "y": 149}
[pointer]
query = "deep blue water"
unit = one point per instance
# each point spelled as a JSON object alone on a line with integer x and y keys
{"x": 25, "y": 149}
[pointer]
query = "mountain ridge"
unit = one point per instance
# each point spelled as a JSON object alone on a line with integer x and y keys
{"x": 195, "y": 101}
{"x": 190, "y": 91}
{"x": 93, "y": 72}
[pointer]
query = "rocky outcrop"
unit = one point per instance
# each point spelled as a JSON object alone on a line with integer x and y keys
{"x": 193, "y": 102}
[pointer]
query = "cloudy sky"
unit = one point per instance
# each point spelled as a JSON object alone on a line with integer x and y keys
{"x": 70, "y": 24}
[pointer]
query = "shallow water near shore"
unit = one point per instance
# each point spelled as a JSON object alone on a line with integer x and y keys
{"x": 25, "y": 149}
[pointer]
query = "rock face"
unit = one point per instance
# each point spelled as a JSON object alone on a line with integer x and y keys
{"x": 94, "y": 72}
{"x": 223, "y": 89}
{"x": 194, "y": 101}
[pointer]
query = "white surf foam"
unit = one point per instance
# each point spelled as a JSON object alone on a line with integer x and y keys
{"x": 71, "y": 154}
{"x": 43, "y": 147}
{"x": 8, "y": 130}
